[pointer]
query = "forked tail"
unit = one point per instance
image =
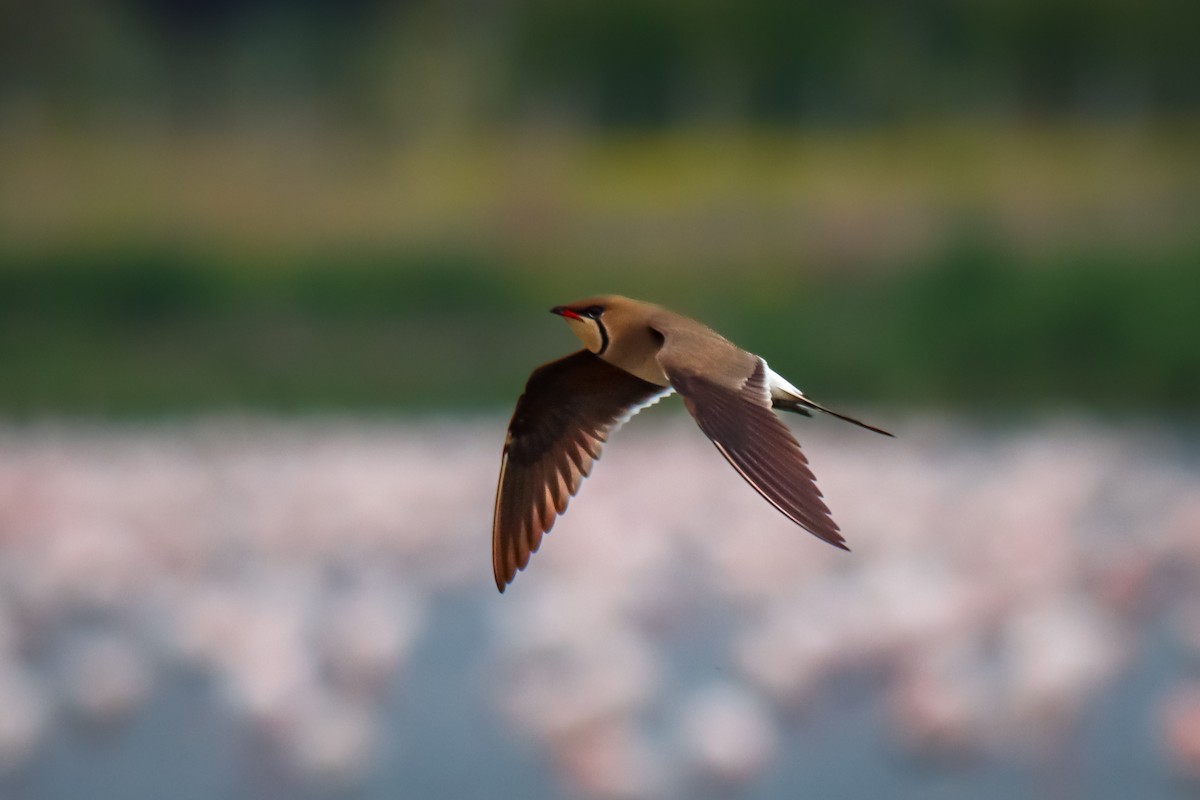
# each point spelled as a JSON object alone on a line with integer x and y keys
{"x": 801, "y": 405}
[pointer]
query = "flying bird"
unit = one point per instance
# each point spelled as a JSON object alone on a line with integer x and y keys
{"x": 634, "y": 355}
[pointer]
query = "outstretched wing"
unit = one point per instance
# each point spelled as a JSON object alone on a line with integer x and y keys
{"x": 732, "y": 405}
{"x": 567, "y": 412}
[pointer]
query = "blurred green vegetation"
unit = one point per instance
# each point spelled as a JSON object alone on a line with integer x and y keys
{"x": 610, "y": 63}
{"x": 975, "y": 326}
{"x": 865, "y": 62}
{"x": 367, "y": 205}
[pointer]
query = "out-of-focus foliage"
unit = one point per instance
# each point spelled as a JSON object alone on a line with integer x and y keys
{"x": 978, "y": 325}
{"x": 628, "y": 62}
{"x": 615, "y": 62}
{"x": 363, "y": 205}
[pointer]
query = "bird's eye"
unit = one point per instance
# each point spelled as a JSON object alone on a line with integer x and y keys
{"x": 592, "y": 312}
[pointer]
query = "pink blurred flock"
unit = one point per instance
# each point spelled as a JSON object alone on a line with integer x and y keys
{"x": 997, "y": 578}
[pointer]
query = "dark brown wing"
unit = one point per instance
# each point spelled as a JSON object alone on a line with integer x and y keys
{"x": 567, "y": 412}
{"x": 742, "y": 425}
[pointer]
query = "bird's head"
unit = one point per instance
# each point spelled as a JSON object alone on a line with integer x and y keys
{"x": 586, "y": 320}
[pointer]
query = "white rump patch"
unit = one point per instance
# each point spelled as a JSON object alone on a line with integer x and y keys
{"x": 779, "y": 387}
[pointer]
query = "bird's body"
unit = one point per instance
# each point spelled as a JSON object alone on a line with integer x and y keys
{"x": 635, "y": 354}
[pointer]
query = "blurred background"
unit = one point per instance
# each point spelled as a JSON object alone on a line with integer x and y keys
{"x": 273, "y": 274}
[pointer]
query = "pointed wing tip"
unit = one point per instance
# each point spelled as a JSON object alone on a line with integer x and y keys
{"x": 833, "y": 537}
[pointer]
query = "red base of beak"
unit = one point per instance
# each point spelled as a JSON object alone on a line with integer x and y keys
{"x": 563, "y": 311}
